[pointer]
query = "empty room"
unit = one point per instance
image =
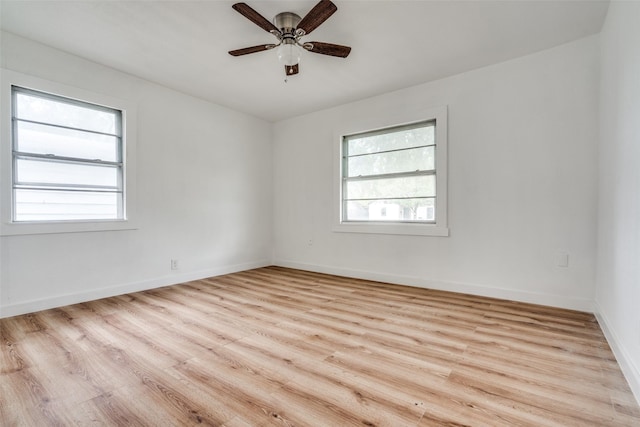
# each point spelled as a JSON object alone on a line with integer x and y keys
{"x": 320, "y": 213}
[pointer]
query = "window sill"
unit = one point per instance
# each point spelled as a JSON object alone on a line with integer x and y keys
{"x": 387, "y": 228}
{"x": 27, "y": 228}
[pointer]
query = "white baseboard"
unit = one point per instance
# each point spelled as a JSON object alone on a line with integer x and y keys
{"x": 581, "y": 304}
{"x": 94, "y": 294}
{"x": 627, "y": 364}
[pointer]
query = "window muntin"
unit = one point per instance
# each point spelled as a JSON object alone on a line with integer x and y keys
{"x": 390, "y": 175}
{"x": 67, "y": 159}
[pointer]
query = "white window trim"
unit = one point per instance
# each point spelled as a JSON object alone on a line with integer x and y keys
{"x": 129, "y": 119}
{"x": 440, "y": 228}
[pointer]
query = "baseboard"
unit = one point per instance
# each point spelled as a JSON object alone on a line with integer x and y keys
{"x": 94, "y": 294}
{"x": 627, "y": 364}
{"x": 580, "y": 304}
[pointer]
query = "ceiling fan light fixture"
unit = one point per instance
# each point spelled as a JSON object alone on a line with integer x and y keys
{"x": 289, "y": 52}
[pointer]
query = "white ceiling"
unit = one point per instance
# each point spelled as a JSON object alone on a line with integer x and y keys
{"x": 396, "y": 44}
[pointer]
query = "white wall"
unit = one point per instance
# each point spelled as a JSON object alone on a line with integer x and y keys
{"x": 204, "y": 195}
{"x": 522, "y": 155}
{"x": 522, "y": 178}
{"x": 618, "y": 271}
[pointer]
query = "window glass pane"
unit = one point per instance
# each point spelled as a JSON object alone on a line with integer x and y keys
{"x": 46, "y": 110}
{"x": 42, "y": 205}
{"x": 43, "y": 139}
{"x": 410, "y": 160}
{"x": 393, "y": 140}
{"x": 422, "y": 210}
{"x": 391, "y": 188}
{"x": 48, "y": 172}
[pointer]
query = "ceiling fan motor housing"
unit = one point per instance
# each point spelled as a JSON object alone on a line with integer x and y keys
{"x": 286, "y": 22}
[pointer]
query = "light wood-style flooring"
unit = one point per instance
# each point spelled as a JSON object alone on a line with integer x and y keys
{"x": 282, "y": 347}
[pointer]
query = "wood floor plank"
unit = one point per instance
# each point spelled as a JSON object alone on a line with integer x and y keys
{"x": 281, "y": 347}
{"x": 253, "y": 404}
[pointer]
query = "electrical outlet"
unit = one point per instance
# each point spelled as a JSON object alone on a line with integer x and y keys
{"x": 562, "y": 259}
{"x": 174, "y": 264}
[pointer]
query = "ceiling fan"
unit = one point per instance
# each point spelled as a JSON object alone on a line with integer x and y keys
{"x": 288, "y": 28}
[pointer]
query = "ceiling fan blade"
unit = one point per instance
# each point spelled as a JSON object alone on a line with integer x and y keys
{"x": 316, "y": 16}
{"x": 253, "y": 16}
{"x": 252, "y": 49}
{"x": 290, "y": 70}
{"x": 328, "y": 49}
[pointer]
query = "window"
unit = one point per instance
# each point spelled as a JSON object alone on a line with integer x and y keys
{"x": 393, "y": 178}
{"x": 67, "y": 159}
{"x": 390, "y": 175}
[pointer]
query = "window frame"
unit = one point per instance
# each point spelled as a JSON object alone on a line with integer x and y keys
{"x": 19, "y": 154}
{"x": 380, "y": 124}
{"x": 8, "y": 226}
{"x": 347, "y": 178}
